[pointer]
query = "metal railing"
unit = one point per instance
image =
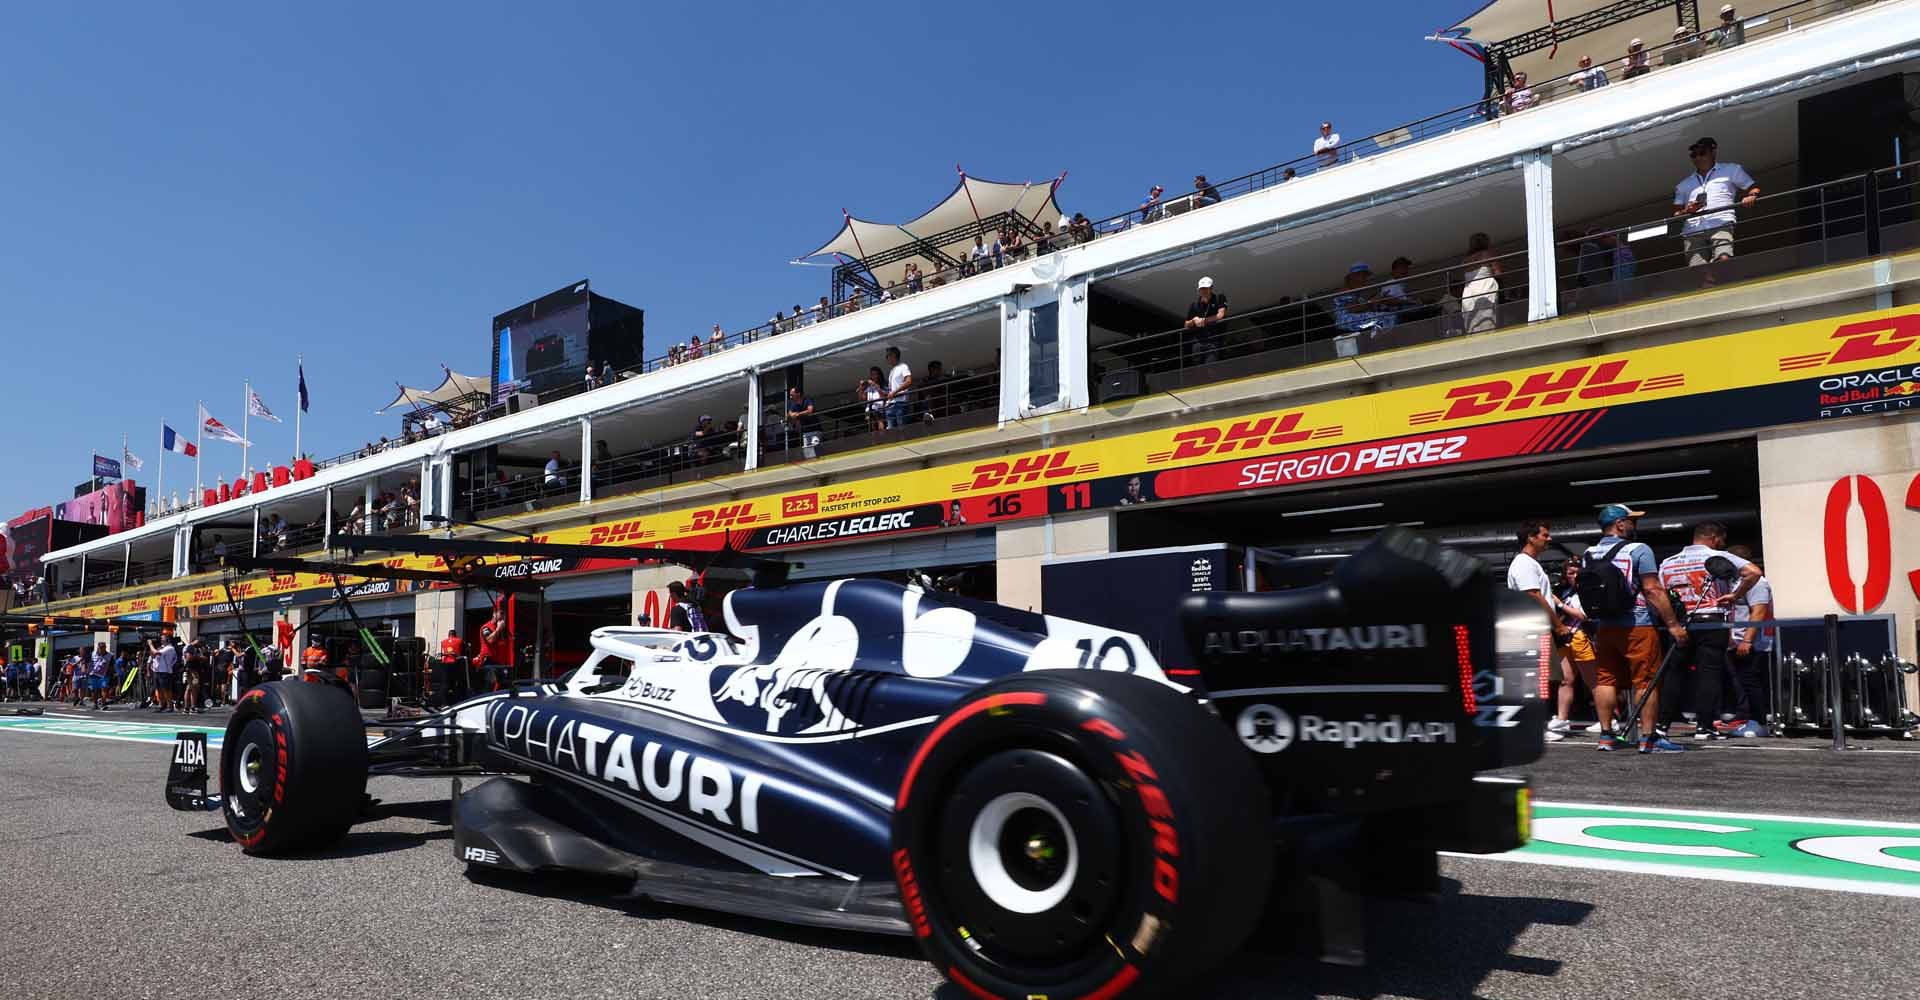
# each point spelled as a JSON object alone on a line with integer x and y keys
{"x": 1847, "y": 219}
{"x": 1478, "y": 295}
{"x": 858, "y": 418}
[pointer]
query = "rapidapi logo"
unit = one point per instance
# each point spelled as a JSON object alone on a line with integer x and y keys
{"x": 1025, "y": 470}
{"x": 1551, "y": 387}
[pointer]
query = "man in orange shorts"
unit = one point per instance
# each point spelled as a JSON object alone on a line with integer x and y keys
{"x": 1621, "y": 593}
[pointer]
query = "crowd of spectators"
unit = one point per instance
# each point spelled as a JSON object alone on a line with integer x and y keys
{"x": 166, "y": 674}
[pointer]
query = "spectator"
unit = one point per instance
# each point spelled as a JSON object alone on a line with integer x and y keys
{"x": 1480, "y": 295}
{"x": 1393, "y": 296}
{"x": 853, "y": 303}
{"x": 1203, "y": 192}
{"x": 717, "y": 341}
{"x": 163, "y": 661}
{"x": 1577, "y": 657}
{"x": 823, "y": 310}
{"x": 1150, "y": 207}
{"x": 552, "y": 477}
{"x": 1326, "y": 148}
{"x": 803, "y": 317}
{"x": 1082, "y": 228}
{"x": 1044, "y": 244}
{"x": 1525, "y": 575}
{"x": 1636, "y": 61}
{"x": 872, "y": 391}
{"x": 1626, "y": 646}
{"x": 99, "y": 669}
{"x": 1589, "y": 76}
{"x": 977, "y": 257}
{"x": 1207, "y": 311}
{"x": 899, "y": 388}
{"x": 1686, "y": 45}
{"x": 1519, "y": 96}
{"x": 1288, "y": 174}
{"x": 220, "y": 680}
{"x": 1016, "y": 246}
{"x": 685, "y": 615}
{"x": 932, "y": 391}
{"x": 1731, "y": 32}
{"x": 606, "y": 377}
{"x": 999, "y": 255}
{"x": 1703, "y": 670}
{"x": 913, "y": 277}
{"x": 194, "y": 674}
{"x": 1354, "y": 310}
{"x": 1706, "y": 197}
{"x": 696, "y": 349}
{"x": 219, "y": 547}
{"x": 1749, "y": 650}
{"x": 803, "y": 422}
{"x": 703, "y": 437}
{"x": 593, "y": 376}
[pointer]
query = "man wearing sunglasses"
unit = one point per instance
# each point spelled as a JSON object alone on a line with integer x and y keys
{"x": 1706, "y": 198}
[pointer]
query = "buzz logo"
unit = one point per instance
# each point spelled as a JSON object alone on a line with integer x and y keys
{"x": 1265, "y": 729}
{"x": 482, "y": 855}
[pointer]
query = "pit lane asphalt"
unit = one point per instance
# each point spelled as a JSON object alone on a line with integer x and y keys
{"x": 107, "y": 893}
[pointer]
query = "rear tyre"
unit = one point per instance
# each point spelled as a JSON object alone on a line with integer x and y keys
{"x": 1073, "y": 833}
{"x": 293, "y": 767}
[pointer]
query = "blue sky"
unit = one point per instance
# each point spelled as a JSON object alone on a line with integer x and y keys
{"x": 195, "y": 193}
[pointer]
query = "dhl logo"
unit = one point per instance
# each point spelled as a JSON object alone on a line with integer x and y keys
{"x": 837, "y": 497}
{"x": 1245, "y": 435}
{"x": 139, "y": 605}
{"x": 1025, "y": 469}
{"x": 723, "y": 517}
{"x": 282, "y": 584}
{"x": 800, "y": 504}
{"x": 203, "y": 595}
{"x": 110, "y": 610}
{"x": 1870, "y": 340}
{"x": 618, "y": 532}
{"x": 1552, "y": 387}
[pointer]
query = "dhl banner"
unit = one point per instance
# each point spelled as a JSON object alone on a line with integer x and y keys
{"x": 1854, "y": 365}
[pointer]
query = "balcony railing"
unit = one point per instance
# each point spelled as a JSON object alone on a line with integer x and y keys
{"x": 857, "y": 419}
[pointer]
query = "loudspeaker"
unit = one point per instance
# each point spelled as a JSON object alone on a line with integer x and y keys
{"x": 1120, "y": 385}
{"x": 522, "y": 401}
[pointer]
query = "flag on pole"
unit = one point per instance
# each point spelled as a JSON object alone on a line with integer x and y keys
{"x": 174, "y": 442}
{"x": 303, "y": 386}
{"x": 216, "y": 430}
{"x": 131, "y": 460}
{"x": 257, "y": 408}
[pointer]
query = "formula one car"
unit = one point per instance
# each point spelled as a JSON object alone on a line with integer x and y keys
{"x": 1042, "y": 805}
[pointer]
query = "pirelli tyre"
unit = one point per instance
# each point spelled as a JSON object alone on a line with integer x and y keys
{"x": 293, "y": 767}
{"x": 1078, "y": 833}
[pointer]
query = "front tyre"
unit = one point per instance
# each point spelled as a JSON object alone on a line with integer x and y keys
{"x": 293, "y": 767}
{"x": 1073, "y": 833}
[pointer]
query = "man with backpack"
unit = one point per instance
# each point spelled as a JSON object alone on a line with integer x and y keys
{"x": 1620, "y": 591}
{"x": 1705, "y": 671}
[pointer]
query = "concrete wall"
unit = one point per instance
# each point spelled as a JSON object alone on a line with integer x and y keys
{"x": 1022, "y": 547}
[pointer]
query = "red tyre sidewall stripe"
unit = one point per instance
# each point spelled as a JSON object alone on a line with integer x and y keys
{"x": 948, "y": 724}
{"x": 1119, "y": 984}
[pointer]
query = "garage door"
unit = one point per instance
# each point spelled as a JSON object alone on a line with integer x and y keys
{"x": 948, "y": 549}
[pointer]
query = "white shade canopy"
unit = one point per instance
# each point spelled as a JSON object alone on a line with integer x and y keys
{"x": 453, "y": 388}
{"x": 1500, "y": 20}
{"x": 970, "y": 200}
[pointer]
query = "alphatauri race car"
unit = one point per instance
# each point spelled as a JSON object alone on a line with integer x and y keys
{"x": 1046, "y": 808}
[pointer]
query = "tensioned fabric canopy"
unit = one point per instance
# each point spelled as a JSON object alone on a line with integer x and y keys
{"x": 451, "y": 389}
{"x": 1500, "y": 20}
{"x": 971, "y": 199}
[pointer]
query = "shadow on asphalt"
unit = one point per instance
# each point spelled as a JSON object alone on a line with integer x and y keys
{"x": 1442, "y": 951}
{"x": 610, "y": 893}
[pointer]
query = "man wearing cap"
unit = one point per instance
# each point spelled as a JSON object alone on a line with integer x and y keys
{"x": 1636, "y": 60}
{"x": 1731, "y": 32}
{"x": 1706, "y": 198}
{"x": 1355, "y": 310}
{"x": 1703, "y": 670}
{"x": 1208, "y": 311}
{"x": 1326, "y": 149}
{"x": 1626, "y": 645}
{"x": 1150, "y": 206}
{"x": 1686, "y": 45}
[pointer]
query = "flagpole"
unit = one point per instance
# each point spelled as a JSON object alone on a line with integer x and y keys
{"x": 300, "y": 362}
{"x": 246, "y": 415}
{"x": 199, "y": 426}
{"x": 163, "y": 467}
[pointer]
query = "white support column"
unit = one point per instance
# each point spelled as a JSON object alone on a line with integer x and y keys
{"x": 182, "y": 542}
{"x": 83, "y": 574}
{"x": 371, "y": 495}
{"x": 1543, "y": 284}
{"x": 425, "y": 495}
{"x": 126, "y": 563}
{"x": 326, "y": 533}
{"x": 1076, "y": 392}
{"x": 755, "y": 414}
{"x": 256, "y": 531}
{"x": 586, "y": 459}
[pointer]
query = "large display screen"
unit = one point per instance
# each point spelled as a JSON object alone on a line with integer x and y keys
{"x": 115, "y": 507}
{"x": 542, "y": 345}
{"x": 26, "y": 543}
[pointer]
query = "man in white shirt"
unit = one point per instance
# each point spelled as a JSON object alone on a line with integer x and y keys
{"x": 1590, "y": 77}
{"x": 899, "y": 384}
{"x": 1706, "y": 199}
{"x": 1326, "y": 149}
{"x": 1526, "y": 575}
{"x": 1706, "y": 600}
{"x": 554, "y": 480}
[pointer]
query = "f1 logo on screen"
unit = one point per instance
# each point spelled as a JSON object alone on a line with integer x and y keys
{"x": 1863, "y": 596}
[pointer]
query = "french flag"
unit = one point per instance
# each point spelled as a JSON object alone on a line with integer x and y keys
{"x": 174, "y": 442}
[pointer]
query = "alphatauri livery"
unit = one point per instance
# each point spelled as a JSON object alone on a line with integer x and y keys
{"x": 1043, "y": 806}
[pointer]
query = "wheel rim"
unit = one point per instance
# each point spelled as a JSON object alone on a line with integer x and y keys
{"x": 249, "y": 770}
{"x": 1023, "y": 853}
{"x": 248, "y": 775}
{"x": 1032, "y": 864}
